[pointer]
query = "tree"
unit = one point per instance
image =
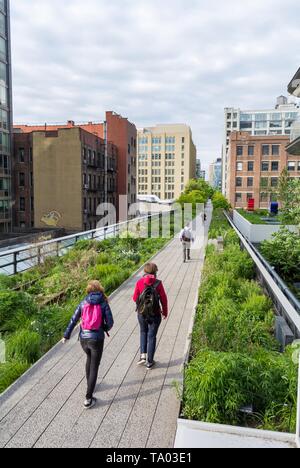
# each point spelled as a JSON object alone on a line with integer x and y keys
{"x": 200, "y": 186}
{"x": 219, "y": 201}
{"x": 289, "y": 196}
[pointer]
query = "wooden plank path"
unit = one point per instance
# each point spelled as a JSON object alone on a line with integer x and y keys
{"x": 135, "y": 408}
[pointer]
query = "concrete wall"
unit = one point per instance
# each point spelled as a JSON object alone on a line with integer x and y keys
{"x": 257, "y": 233}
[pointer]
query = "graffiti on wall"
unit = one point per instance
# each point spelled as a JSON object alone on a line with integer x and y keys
{"x": 51, "y": 219}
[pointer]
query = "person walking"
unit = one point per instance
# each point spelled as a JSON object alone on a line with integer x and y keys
{"x": 186, "y": 238}
{"x": 96, "y": 320}
{"x": 152, "y": 304}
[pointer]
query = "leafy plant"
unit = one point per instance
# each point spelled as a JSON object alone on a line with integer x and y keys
{"x": 11, "y": 371}
{"x": 283, "y": 252}
{"x": 23, "y": 346}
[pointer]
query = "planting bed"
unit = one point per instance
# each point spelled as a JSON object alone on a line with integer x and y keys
{"x": 36, "y": 306}
{"x": 236, "y": 374}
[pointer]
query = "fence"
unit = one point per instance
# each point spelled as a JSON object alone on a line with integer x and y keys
{"x": 19, "y": 260}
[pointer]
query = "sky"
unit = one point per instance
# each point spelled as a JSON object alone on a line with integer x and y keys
{"x": 153, "y": 61}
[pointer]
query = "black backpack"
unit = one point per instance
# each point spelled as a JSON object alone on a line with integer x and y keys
{"x": 149, "y": 302}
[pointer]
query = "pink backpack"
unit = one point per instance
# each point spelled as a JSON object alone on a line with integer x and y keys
{"x": 91, "y": 317}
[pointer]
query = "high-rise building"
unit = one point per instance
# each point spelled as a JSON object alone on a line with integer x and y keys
{"x": 256, "y": 163}
{"x": 202, "y": 175}
{"x": 166, "y": 160}
{"x": 61, "y": 177}
{"x": 6, "y": 118}
{"x": 258, "y": 123}
{"x": 215, "y": 174}
{"x": 198, "y": 169}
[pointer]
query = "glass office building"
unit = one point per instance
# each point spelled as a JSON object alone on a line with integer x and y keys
{"x": 5, "y": 119}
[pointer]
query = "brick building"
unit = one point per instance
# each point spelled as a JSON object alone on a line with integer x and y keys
{"x": 60, "y": 178}
{"x": 122, "y": 134}
{"x": 255, "y": 166}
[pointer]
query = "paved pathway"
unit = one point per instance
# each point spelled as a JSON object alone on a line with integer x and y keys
{"x": 135, "y": 408}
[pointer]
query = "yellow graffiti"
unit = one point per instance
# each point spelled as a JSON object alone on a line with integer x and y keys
{"x": 51, "y": 219}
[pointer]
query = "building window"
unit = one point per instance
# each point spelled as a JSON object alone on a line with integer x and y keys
{"x": 239, "y": 166}
{"x": 251, "y": 166}
{"x": 275, "y": 166}
{"x": 291, "y": 166}
{"x": 250, "y": 182}
{"x": 239, "y": 182}
{"x": 239, "y": 150}
{"x": 275, "y": 150}
{"x": 250, "y": 150}
{"x": 274, "y": 181}
{"x": 21, "y": 155}
{"x": 265, "y": 166}
{"x": 265, "y": 150}
{"x": 21, "y": 179}
{"x": 22, "y": 204}
{"x": 238, "y": 197}
{"x": 249, "y": 196}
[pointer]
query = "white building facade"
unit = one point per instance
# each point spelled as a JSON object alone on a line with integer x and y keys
{"x": 278, "y": 121}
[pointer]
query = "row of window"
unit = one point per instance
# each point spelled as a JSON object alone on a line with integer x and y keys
{"x": 144, "y": 172}
{"x": 267, "y": 166}
{"x": 257, "y": 117}
{"x": 264, "y": 182}
{"x": 171, "y": 140}
{"x": 266, "y": 150}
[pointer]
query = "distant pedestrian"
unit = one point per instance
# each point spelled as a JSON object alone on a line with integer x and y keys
{"x": 152, "y": 303}
{"x": 186, "y": 238}
{"x": 96, "y": 320}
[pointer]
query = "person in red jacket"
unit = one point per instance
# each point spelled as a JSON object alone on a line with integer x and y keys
{"x": 149, "y": 328}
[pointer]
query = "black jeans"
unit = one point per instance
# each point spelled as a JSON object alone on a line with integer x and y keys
{"x": 93, "y": 350}
{"x": 148, "y": 336}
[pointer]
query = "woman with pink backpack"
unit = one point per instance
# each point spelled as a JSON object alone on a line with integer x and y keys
{"x": 96, "y": 320}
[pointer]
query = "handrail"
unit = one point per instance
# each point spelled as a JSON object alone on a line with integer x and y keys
{"x": 35, "y": 251}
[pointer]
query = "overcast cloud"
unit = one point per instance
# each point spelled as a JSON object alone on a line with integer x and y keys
{"x": 153, "y": 61}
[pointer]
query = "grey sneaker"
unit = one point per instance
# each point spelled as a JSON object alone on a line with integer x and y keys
{"x": 143, "y": 360}
{"x": 88, "y": 404}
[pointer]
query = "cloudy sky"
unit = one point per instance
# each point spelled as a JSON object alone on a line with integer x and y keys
{"x": 153, "y": 61}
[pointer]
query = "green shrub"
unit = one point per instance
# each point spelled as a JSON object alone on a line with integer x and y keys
{"x": 218, "y": 385}
{"x": 23, "y": 346}
{"x": 219, "y": 201}
{"x": 283, "y": 252}
{"x": 7, "y": 282}
{"x": 219, "y": 224}
{"x": 14, "y": 303}
{"x": 9, "y": 372}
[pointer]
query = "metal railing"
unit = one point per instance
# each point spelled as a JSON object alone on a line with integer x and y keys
{"x": 21, "y": 259}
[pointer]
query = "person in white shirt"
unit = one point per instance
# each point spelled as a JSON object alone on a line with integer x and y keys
{"x": 186, "y": 238}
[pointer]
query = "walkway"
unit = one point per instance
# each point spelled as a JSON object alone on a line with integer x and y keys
{"x": 135, "y": 408}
